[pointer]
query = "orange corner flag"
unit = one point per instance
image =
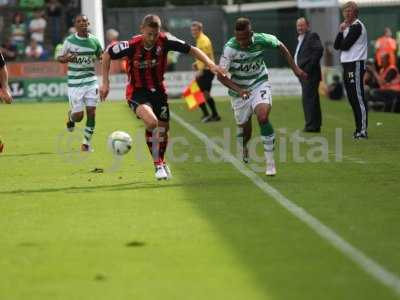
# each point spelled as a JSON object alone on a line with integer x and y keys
{"x": 193, "y": 95}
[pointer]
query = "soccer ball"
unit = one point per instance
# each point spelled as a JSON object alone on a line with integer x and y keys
{"x": 119, "y": 142}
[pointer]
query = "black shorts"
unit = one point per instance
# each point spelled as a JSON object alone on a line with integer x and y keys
{"x": 205, "y": 80}
{"x": 157, "y": 100}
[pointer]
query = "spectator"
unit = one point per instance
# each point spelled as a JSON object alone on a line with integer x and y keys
{"x": 385, "y": 44}
{"x": 37, "y": 26}
{"x": 18, "y": 32}
{"x": 388, "y": 79}
{"x": 34, "y": 50}
{"x": 8, "y": 50}
{"x": 54, "y": 12}
{"x": 308, "y": 54}
{"x": 334, "y": 91}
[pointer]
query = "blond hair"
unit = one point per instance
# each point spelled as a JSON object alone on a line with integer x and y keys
{"x": 352, "y": 5}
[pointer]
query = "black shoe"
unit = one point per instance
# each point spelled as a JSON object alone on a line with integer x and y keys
{"x": 312, "y": 130}
{"x": 215, "y": 118}
{"x": 206, "y": 119}
{"x": 360, "y": 135}
{"x": 70, "y": 124}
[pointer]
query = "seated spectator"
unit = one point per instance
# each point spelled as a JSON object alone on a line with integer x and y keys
{"x": 335, "y": 91}
{"x": 388, "y": 80}
{"x": 34, "y": 50}
{"x": 18, "y": 32}
{"x": 8, "y": 50}
{"x": 37, "y": 27}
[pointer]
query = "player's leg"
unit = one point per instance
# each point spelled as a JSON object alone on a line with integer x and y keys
{"x": 262, "y": 105}
{"x": 163, "y": 128}
{"x": 244, "y": 135}
{"x": 76, "y": 107}
{"x": 152, "y": 136}
{"x": 242, "y": 112}
{"x": 89, "y": 128}
{"x": 91, "y": 99}
{"x": 161, "y": 110}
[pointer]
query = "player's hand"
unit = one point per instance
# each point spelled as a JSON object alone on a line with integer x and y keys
{"x": 245, "y": 94}
{"x": 217, "y": 70}
{"x": 104, "y": 89}
{"x": 70, "y": 57}
{"x": 5, "y": 95}
{"x": 301, "y": 74}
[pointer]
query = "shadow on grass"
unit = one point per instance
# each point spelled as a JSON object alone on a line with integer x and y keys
{"x": 27, "y": 154}
{"x": 95, "y": 188}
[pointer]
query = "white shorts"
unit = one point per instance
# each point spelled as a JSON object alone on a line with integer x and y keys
{"x": 80, "y": 97}
{"x": 243, "y": 109}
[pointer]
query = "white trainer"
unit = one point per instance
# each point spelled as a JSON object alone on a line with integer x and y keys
{"x": 168, "y": 171}
{"x": 271, "y": 169}
{"x": 161, "y": 174}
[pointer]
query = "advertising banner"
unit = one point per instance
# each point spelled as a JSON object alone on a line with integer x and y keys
{"x": 317, "y": 3}
{"x": 41, "y": 89}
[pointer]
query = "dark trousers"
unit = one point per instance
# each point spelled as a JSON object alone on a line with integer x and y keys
{"x": 311, "y": 105}
{"x": 353, "y": 73}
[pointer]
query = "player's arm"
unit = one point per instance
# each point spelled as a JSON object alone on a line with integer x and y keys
{"x": 6, "y": 93}
{"x": 296, "y": 70}
{"x": 117, "y": 51}
{"x": 65, "y": 56}
{"x": 175, "y": 44}
{"x": 200, "y": 55}
{"x": 225, "y": 63}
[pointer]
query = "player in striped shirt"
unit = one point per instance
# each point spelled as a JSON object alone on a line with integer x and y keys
{"x": 147, "y": 62}
{"x": 80, "y": 51}
{"x": 243, "y": 58}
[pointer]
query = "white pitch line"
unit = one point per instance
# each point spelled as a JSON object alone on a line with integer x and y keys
{"x": 371, "y": 267}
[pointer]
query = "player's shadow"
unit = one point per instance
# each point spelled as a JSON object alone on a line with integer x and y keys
{"x": 96, "y": 188}
{"x": 27, "y": 154}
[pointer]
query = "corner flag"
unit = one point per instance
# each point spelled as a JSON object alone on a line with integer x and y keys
{"x": 193, "y": 95}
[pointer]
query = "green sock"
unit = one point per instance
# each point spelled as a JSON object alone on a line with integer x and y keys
{"x": 268, "y": 138}
{"x": 89, "y": 130}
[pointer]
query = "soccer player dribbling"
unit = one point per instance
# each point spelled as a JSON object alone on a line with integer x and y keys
{"x": 147, "y": 62}
{"x": 80, "y": 51}
{"x": 248, "y": 85}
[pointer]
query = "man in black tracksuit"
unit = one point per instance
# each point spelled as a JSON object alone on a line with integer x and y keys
{"x": 353, "y": 43}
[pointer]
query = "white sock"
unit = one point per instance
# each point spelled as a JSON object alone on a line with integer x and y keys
{"x": 268, "y": 142}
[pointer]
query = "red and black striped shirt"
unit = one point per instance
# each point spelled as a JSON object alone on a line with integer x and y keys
{"x": 146, "y": 67}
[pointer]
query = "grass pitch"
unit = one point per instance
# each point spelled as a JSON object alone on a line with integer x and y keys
{"x": 70, "y": 231}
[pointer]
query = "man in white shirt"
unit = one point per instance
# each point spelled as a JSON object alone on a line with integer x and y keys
{"x": 37, "y": 26}
{"x": 352, "y": 41}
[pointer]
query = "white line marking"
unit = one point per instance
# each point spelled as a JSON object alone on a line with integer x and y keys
{"x": 371, "y": 267}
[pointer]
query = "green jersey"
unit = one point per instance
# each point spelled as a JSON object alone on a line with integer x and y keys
{"x": 246, "y": 66}
{"x": 81, "y": 72}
